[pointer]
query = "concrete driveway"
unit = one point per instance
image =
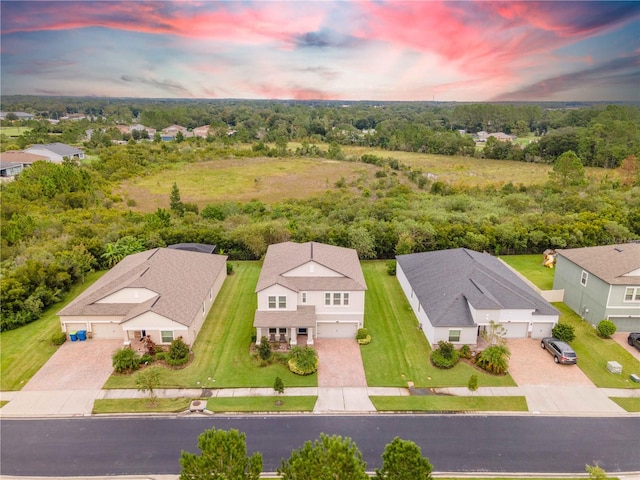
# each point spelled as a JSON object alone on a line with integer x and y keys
{"x": 531, "y": 365}
{"x": 621, "y": 338}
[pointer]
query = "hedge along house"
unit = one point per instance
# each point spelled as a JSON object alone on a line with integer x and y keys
{"x": 602, "y": 282}
{"x": 456, "y": 294}
{"x": 162, "y": 293}
{"x": 309, "y": 289}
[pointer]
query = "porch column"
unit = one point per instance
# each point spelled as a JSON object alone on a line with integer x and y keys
{"x": 293, "y": 335}
{"x": 310, "y": 336}
{"x": 258, "y": 335}
{"x": 125, "y": 333}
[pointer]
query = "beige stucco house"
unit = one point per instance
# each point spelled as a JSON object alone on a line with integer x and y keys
{"x": 309, "y": 289}
{"x": 162, "y": 293}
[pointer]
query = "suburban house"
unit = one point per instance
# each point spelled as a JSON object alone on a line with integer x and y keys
{"x": 457, "y": 293}
{"x": 162, "y": 293}
{"x": 18, "y": 115}
{"x": 56, "y": 152}
{"x": 602, "y": 283}
{"x": 171, "y": 132}
{"x": 202, "y": 131}
{"x": 13, "y": 162}
{"x": 309, "y": 289}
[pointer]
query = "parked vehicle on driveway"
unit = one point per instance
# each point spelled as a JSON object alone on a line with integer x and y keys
{"x": 561, "y": 352}
{"x": 634, "y": 339}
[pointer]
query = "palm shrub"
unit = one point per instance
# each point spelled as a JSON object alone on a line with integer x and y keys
{"x": 178, "y": 353}
{"x": 465, "y": 351}
{"x": 606, "y": 328}
{"x": 445, "y": 356}
{"x": 564, "y": 332}
{"x": 302, "y": 360}
{"x": 125, "y": 360}
{"x": 494, "y": 359}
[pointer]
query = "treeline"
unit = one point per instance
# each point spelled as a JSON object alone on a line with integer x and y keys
{"x": 61, "y": 221}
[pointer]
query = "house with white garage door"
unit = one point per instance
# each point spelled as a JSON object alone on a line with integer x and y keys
{"x": 456, "y": 295}
{"x": 309, "y": 290}
{"x": 162, "y": 293}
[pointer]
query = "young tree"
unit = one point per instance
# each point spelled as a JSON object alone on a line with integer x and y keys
{"x": 328, "y": 458}
{"x": 403, "y": 460}
{"x": 175, "y": 203}
{"x": 568, "y": 169}
{"x": 224, "y": 457}
{"x": 473, "y": 383}
{"x": 278, "y": 387}
{"x": 147, "y": 380}
{"x": 595, "y": 472}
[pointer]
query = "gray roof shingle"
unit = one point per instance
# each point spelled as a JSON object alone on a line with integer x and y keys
{"x": 444, "y": 281}
{"x": 61, "y": 149}
{"x": 608, "y": 262}
{"x": 181, "y": 280}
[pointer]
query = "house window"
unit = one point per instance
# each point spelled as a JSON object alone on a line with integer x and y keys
{"x": 167, "y": 336}
{"x": 302, "y": 331}
{"x": 327, "y": 298}
{"x": 454, "y": 335}
{"x": 272, "y": 331}
{"x": 336, "y": 298}
{"x": 345, "y": 299}
{"x": 282, "y": 331}
{"x": 282, "y": 301}
{"x": 583, "y": 278}
{"x": 304, "y": 297}
{"x": 272, "y": 301}
{"x": 203, "y": 309}
{"x": 632, "y": 294}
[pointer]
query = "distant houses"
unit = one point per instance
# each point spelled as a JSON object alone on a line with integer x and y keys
{"x": 56, "y": 152}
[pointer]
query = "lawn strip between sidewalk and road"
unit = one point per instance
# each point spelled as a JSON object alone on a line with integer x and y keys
{"x": 629, "y": 404}
{"x": 436, "y": 403}
{"x": 399, "y": 351}
{"x": 262, "y": 404}
{"x": 141, "y": 405}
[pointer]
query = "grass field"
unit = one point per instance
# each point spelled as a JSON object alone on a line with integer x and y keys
{"x": 13, "y": 131}
{"x": 399, "y": 351}
{"x": 594, "y": 353}
{"x": 265, "y": 179}
{"x": 629, "y": 404}
{"x": 221, "y": 351}
{"x": 531, "y": 267}
{"x": 24, "y": 350}
{"x": 141, "y": 405}
{"x": 435, "y": 403}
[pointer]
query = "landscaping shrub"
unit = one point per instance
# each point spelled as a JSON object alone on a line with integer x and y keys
{"x": 445, "y": 356}
{"x": 494, "y": 359}
{"x": 229, "y": 269}
{"x": 145, "y": 359}
{"x": 264, "y": 349}
{"x": 178, "y": 353}
{"x": 564, "y": 332}
{"x": 58, "y": 338}
{"x": 161, "y": 355}
{"x": 465, "y": 351}
{"x": 302, "y": 360}
{"x": 363, "y": 336}
{"x": 364, "y": 341}
{"x": 125, "y": 360}
{"x": 391, "y": 267}
{"x": 606, "y": 328}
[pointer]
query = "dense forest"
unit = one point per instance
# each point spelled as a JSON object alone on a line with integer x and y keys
{"x": 61, "y": 221}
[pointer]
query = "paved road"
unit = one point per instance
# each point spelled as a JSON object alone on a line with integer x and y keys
{"x": 457, "y": 443}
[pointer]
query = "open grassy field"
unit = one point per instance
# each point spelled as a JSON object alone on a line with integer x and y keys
{"x": 594, "y": 353}
{"x": 221, "y": 351}
{"x": 13, "y": 131}
{"x": 24, "y": 350}
{"x": 265, "y": 179}
{"x": 531, "y": 267}
{"x": 399, "y": 351}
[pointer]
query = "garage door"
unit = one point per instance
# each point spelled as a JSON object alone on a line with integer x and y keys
{"x": 74, "y": 327}
{"x": 337, "y": 330}
{"x": 106, "y": 330}
{"x": 515, "y": 330}
{"x": 541, "y": 330}
{"x": 626, "y": 324}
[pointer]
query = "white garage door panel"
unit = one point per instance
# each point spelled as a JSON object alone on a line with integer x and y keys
{"x": 337, "y": 330}
{"x": 541, "y": 330}
{"x": 516, "y": 330}
{"x": 107, "y": 330}
{"x": 626, "y": 324}
{"x": 74, "y": 327}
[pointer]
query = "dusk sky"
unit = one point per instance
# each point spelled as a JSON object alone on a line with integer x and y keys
{"x": 346, "y": 50}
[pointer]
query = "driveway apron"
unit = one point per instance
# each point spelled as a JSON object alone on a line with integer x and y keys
{"x": 72, "y": 379}
{"x": 342, "y": 384}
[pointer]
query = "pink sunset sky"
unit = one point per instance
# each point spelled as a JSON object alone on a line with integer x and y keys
{"x": 346, "y": 50}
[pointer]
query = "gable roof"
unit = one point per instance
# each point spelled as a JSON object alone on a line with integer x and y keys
{"x": 58, "y": 148}
{"x": 15, "y": 156}
{"x": 446, "y": 282}
{"x": 284, "y": 257}
{"x": 610, "y": 263}
{"x": 181, "y": 280}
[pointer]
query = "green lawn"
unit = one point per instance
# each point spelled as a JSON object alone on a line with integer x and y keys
{"x": 261, "y": 404}
{"x": 437, "y": 403}
{"x": 399, "y": 351}
{"x": 221, "y": 351}
{"x": 13, "y": 131}
{"x": 629, "y": 404}
{"x": 24, "y": 350}
{"x": 531, "y": 267}
{"x": 141, "y": 405}
{"x": 594, "y": 353}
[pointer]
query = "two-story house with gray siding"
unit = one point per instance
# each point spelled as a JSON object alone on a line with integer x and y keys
{"x": 602, "y": 283}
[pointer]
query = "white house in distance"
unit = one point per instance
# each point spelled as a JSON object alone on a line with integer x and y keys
{"x": 457, "y": 293}
{"x": 309, "y": 289}
{"x": 162, "y": 293}
{"x": 56, "y": 152}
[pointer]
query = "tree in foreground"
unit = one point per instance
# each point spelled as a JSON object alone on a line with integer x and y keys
{"x": 278, "y": 387}
{"x": 328, "y": 458}
{"x": 568, "y": 169}
{"x": 147, "y": 381}
{"x": 403, "y": 460}
{"x": 224, "y": 457}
